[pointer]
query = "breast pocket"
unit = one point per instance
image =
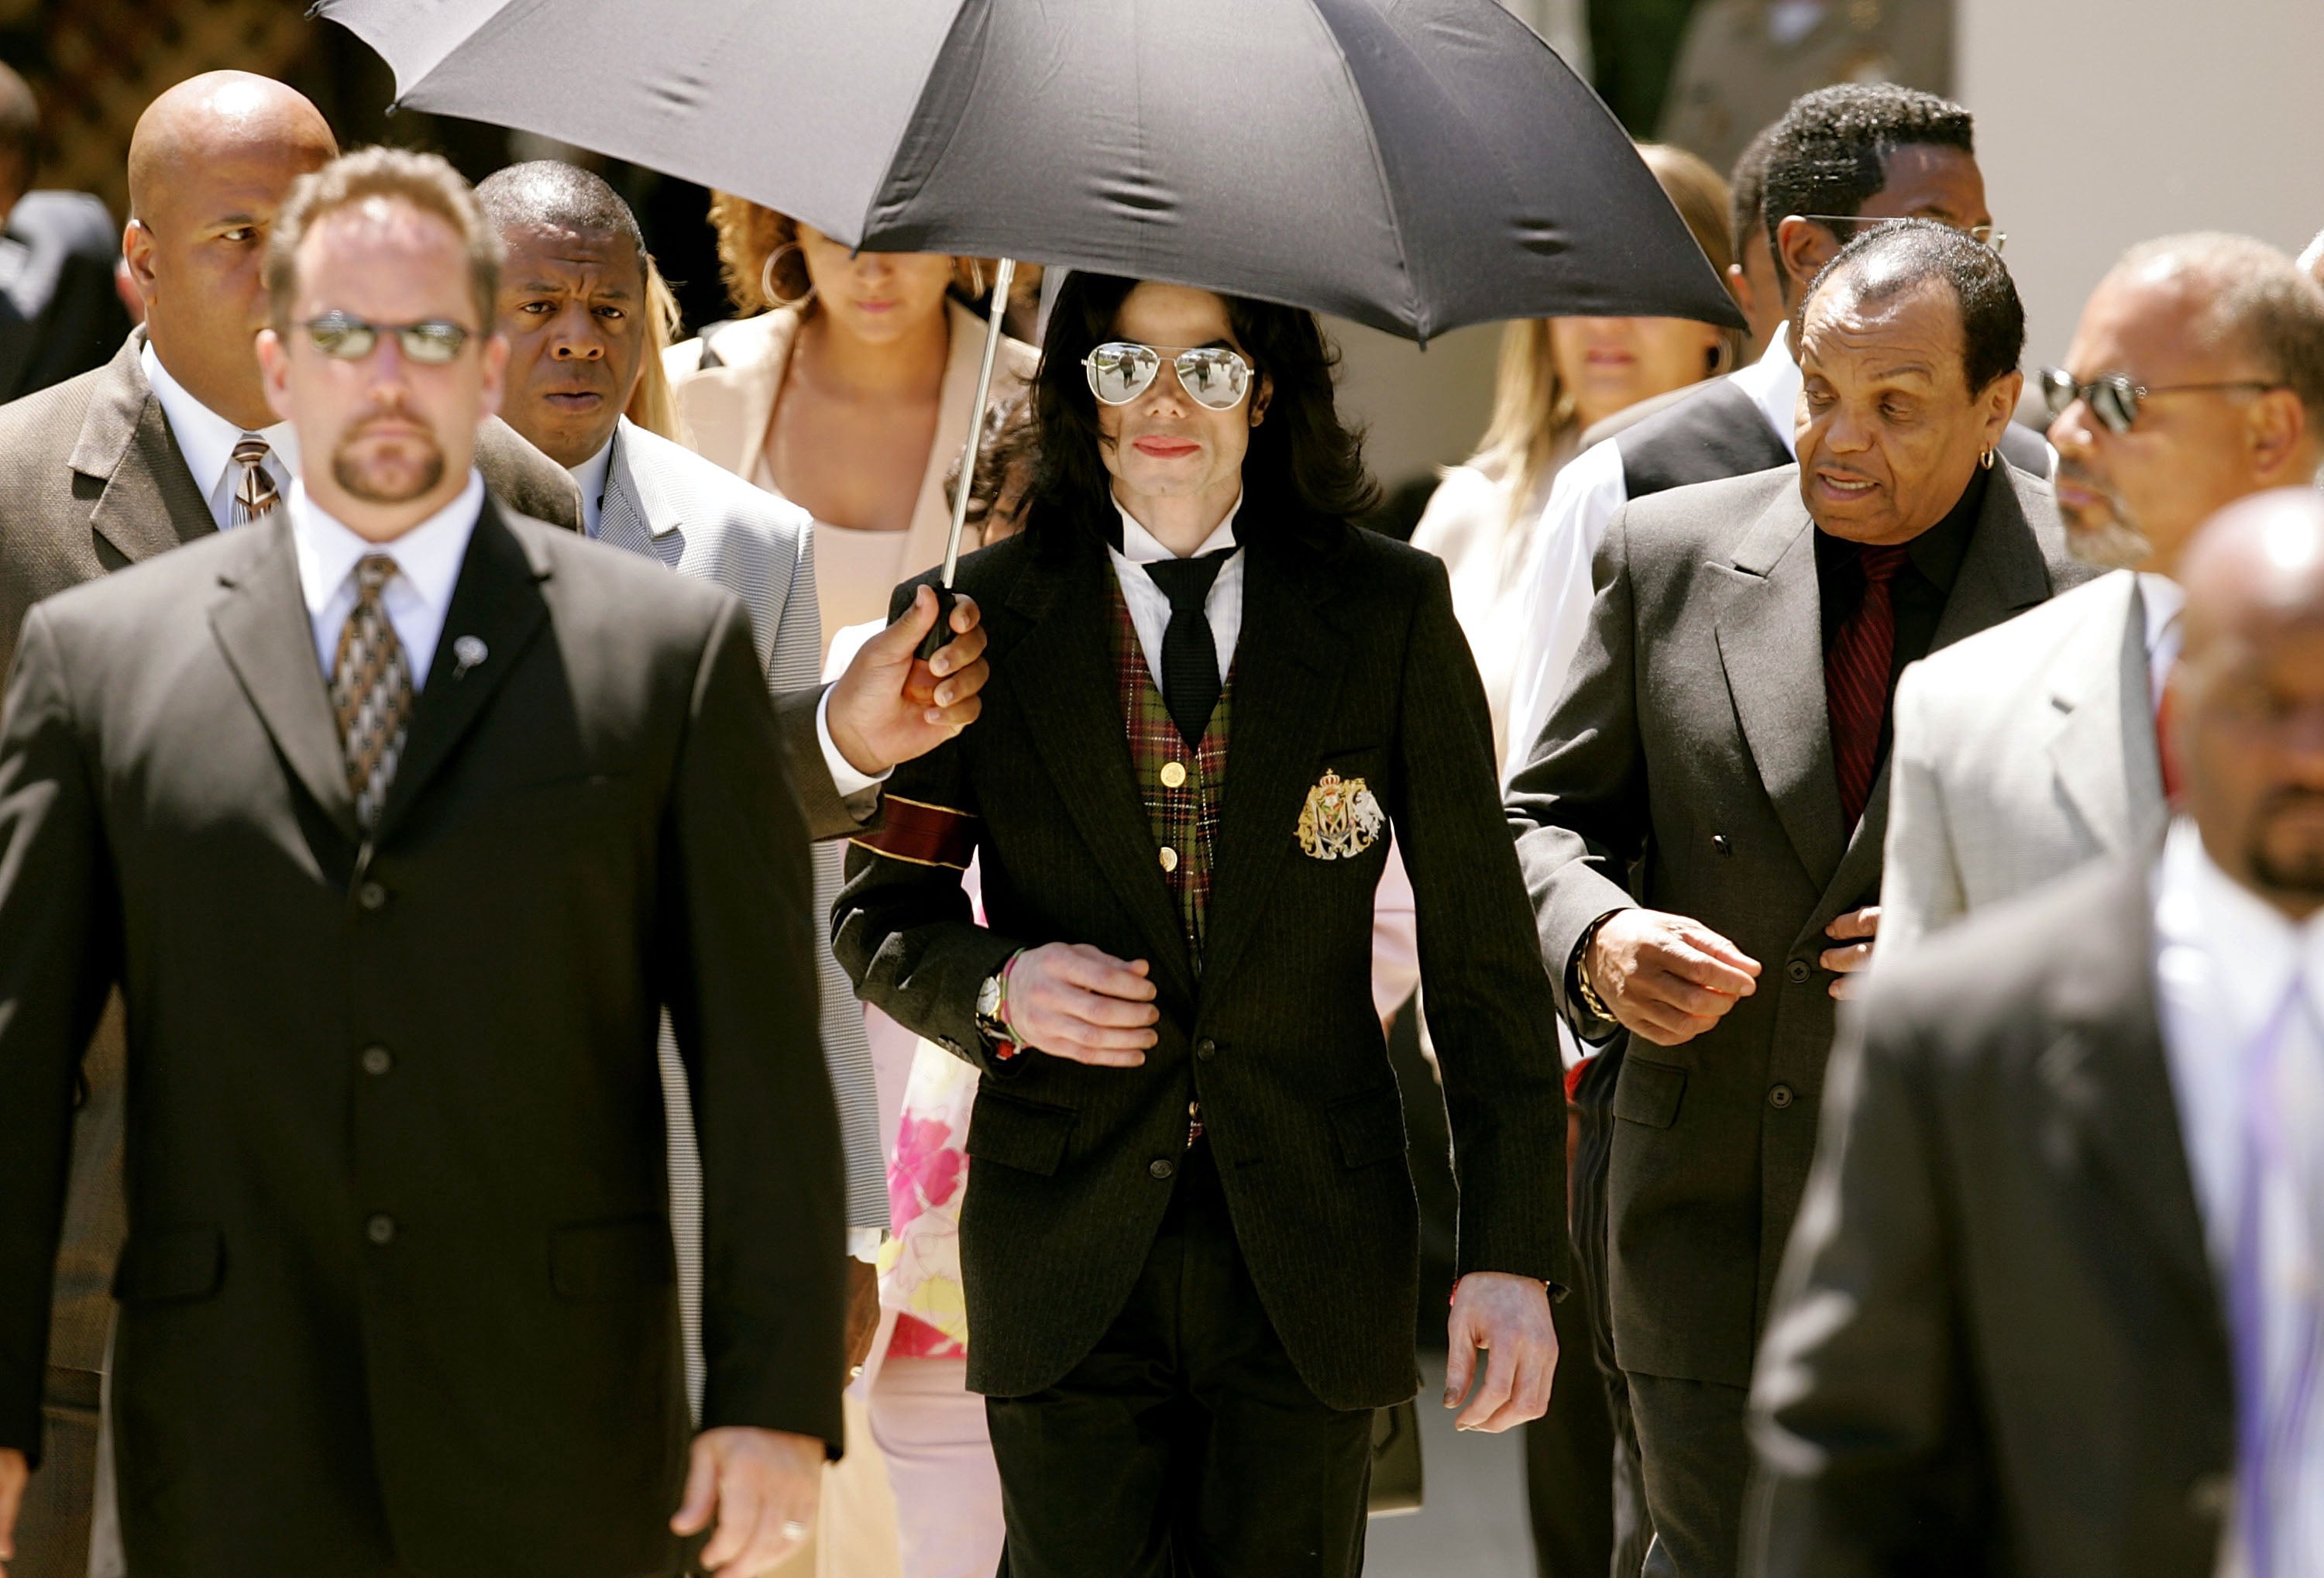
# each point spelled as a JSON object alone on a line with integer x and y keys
{"x": 1343, "y": 816}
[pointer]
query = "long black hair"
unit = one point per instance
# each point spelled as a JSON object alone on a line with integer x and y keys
{"x": 1304, "y": 468}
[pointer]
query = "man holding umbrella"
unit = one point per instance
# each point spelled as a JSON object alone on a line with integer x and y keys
{"x": 1191, "y": 1250}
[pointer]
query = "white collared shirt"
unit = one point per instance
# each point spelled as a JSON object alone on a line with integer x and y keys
{"x": 1150, "y": 605}
{"x": 429, "y": 558}
{"x": 2164, "y": 600}
{"x": 207, "y": 440}
{"x": 593, "y": 476}
{"x": 2226, "y": 961}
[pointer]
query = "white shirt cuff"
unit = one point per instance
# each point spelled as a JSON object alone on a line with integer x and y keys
{"x": 864, "y": 1244}
{"x": 844, "y": 776}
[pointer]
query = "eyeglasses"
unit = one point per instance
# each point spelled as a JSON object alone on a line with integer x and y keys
{"x": 2116, "y": 400}
{"x": 1986, "y": 234}
{"x": 1213, "y": 376}
{"x": 348, "y": 339}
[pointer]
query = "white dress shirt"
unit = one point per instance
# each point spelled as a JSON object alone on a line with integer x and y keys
{"x": 416, "y": 600}
{"x": 590, "y": 476}
{"x": 1555, "y": 589}
{"x": 1150, "y": 605}
{"x": 2226, "y": 962}
{"x": 207, "y": 440}
{"x": 2164, "y": 601}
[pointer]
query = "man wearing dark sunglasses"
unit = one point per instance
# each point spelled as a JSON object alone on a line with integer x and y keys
{"x": 2195, "y": 378}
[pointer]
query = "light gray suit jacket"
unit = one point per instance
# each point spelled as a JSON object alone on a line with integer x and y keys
{"x": 2020, "y": 753}
{"x": 666, "y": 502}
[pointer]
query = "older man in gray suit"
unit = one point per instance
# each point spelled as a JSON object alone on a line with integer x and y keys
{"x": 2196, "y": 378}
{"x": 170, "y": 440}
{"x": 1701, "y": 821}
{"x": 575, "y": 305}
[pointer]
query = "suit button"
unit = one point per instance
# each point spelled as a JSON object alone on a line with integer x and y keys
{"x": 1160, "y": 1167}
{"x": 377, "y": 1060}
{"x": 1169, "y": 858}
{"x": 1206, "y": 1049}
{"x": 1174, "y": 775}
{"x": 372, "y": 896}
{"x": 1799, "y": 971}
{"x": 1719, "y": 841}
{"x": 1780, "y": 1097}
{"x": 380, "y": 1229}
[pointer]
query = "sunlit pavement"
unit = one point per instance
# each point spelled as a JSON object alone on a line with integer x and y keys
{"x": 1472, "y": 1523}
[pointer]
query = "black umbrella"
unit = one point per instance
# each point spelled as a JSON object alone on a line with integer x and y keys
{"x": 1411, "y": 164}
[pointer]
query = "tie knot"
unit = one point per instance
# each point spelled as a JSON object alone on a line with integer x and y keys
{"x": 250, "y": 451}
{"x": 1881, "y": 563}
{"x": 373, "y": 571}
{"x": 1186, "y": 582}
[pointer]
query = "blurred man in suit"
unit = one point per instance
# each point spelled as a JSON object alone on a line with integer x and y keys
{"x": 169, "y": 441}
{"x": 1723, "y": 747}
{"x": 2053, "y": 1304}
{"x": 2196, "y": 378}
{"x": 58, "y": 312}
{"x": 401, "y": 818}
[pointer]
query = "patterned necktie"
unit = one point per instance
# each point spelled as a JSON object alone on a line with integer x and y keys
{"x": 255, "y": 497}
{"x": 371, "y": 691}
{"x": 1190, "y": 652}
{"x": 1856, "y": 679}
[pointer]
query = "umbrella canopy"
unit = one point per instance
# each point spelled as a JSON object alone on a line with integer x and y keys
{"x": 1411, "y": 164}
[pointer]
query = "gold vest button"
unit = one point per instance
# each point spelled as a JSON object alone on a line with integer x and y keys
{"x": 1169, "y": 858}
{"x": 1174, "y": 775}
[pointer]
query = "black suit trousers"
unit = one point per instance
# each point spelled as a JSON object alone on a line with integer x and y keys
{"x": 1185, "y": 1445}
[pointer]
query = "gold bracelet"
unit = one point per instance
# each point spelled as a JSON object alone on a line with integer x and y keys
{"x": 1589, "y": 998}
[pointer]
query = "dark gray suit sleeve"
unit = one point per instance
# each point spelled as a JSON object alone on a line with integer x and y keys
{"x": 59, "y": 952}
{"x": 1578, "y": 808}
{"x": 737, "y": 928}
{"x": 1489, "y": 1007}
{"x": 827, "y": 814}
{"x": 1859, "y": 1412}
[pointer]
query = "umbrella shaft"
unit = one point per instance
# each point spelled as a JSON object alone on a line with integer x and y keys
{"x": 1001, "y": 279}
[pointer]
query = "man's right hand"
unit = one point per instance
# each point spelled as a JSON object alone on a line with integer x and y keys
{"x": 1665, "y": 977}
{"x": 14, "y": 1472}
{"x": 1073, "y": 1001}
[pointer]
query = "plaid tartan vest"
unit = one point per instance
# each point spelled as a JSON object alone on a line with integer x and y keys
{"x": 1182, "y": 790}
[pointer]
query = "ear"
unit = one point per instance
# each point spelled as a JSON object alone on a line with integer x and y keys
{"x": 2276, "y": 435}
{"x": 1738, "y": 285}
{"x": 2000, "y": 405}
{"x": 1802, "y": 248}
{"x": 274, "y": 372}
{"x": 496, "y": 353}
{"x": 137, "y": 247}
{"x": 1260, "y": 395}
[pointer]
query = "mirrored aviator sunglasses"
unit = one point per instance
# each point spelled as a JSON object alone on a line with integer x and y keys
{"x": 2116, "y": 400}
{"x": 348, "y": 339}
{"x": 1213, "y": 376}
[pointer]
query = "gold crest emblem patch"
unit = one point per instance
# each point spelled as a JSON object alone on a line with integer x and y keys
{"x": 1340, "y": 819}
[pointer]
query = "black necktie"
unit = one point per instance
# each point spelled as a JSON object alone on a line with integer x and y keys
{"x": 1190, "y": 656}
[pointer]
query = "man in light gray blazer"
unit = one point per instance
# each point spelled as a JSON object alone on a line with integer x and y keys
{"x": 1700, "y": 820}
{"x": 2196, "y": 378}
{"x": 574, "y": 305}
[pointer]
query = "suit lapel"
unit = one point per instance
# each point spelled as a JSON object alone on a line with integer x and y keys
{"x": 1770, "y": 632}
{"x": 2002, "y": 574}
{"x": 269, "y": 640}
{"x": 1061, "y": 674}
{"x": 1286, "y": 681}
{"x": 497, "y": 600}
{"x": 2109, "y": 1079}
{"x": 151, "y": 503}
{"x": 634, "y": 513}
{"x": 2103, "y": 752}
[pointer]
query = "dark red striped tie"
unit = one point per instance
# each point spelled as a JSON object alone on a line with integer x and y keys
{"x": 1856, "y": 679}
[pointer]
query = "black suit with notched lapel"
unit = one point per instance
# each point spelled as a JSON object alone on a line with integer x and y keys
{"x": 1349, "y": 658}
{"x": 1998, "y": 1346}
{"x": 1690, "y": 759}
{"x": 397, "y": 1293}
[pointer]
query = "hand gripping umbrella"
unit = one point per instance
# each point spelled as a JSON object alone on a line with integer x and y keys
{"x": 1415, "y": 165}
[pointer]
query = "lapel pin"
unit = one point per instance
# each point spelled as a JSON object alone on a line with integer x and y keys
{"x": 466, "y": 653}
{"x": 1342, "y": 818}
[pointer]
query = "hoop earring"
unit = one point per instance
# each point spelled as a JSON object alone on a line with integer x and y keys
{"x": 767, "y": 279}
{"x": 1985, "y": 460}
{"x": 977, "y": 278}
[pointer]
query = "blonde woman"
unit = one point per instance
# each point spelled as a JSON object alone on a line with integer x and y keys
{"x": 845, "y": 389}
{"x": 1558, "y": 377}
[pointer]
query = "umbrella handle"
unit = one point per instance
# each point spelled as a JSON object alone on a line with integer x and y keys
{"x": 942, "y": 633}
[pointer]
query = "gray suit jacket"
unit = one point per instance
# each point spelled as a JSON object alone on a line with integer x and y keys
{"x": 1997, "y": 1346}
{"x": 666, "y": 502}
{"x": 2021, "y": 753}
{"x": 91, "y": 480}
{"x": 1690, "y": 764}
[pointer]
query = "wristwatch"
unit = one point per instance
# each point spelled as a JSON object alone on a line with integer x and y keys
{"x": 993, "y": 1013}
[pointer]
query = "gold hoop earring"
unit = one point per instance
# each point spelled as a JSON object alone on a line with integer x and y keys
{"x": 767, "y": 279}
{"x": 977, "y": 278}
{"x": 1985, "y": 460}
